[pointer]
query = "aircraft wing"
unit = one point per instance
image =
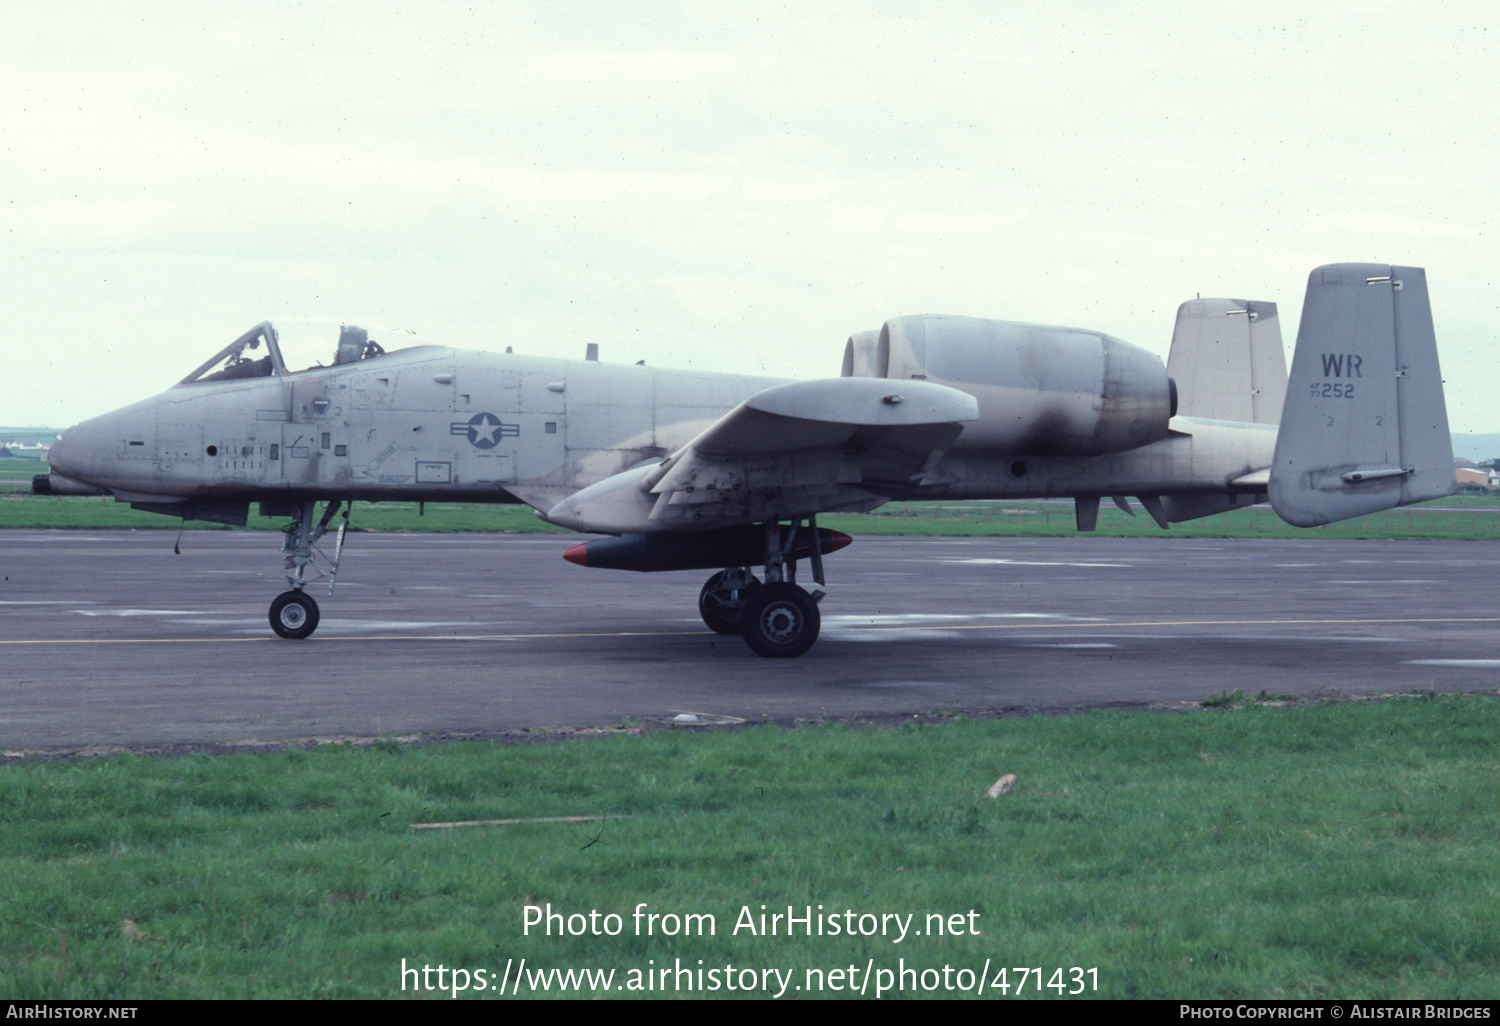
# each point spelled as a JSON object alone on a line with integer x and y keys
{"x": 795, "y": 449}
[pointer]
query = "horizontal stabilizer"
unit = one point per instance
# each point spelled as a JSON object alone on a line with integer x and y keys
{"x": 1197, "y": 505}
{"x": 1364, "y": 426}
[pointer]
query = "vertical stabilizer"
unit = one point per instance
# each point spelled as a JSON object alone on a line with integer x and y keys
{"x": 1365, "y": 426}
{"x": 1228, "y": 361}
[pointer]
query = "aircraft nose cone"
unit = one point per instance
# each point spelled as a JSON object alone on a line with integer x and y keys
{"x": 82, "y": 451}
{"x": 62, "y": 454}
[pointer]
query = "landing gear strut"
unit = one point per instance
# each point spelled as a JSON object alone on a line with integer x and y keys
{"x": 294, "y": 614}
{"x": 777, "y": 619}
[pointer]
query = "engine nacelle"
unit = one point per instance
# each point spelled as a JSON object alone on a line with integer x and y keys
{"x": 1042, "y": 390}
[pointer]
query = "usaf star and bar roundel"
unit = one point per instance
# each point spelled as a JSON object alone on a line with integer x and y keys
{"x": 484, "y": 430}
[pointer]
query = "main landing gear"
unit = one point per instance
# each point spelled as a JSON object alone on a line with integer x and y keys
{"x": 776, "y": 618}
{"x": 294, "y": 614}
{"x": 722, "y": 597}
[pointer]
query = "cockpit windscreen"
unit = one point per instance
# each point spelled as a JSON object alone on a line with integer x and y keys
{"x": 295, "y": 345}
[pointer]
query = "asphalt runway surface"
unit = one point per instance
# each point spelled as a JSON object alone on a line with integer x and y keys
{"x": 108, "y": 639}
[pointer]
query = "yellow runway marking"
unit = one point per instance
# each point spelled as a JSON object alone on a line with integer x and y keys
{"x": 1093, "y": 625}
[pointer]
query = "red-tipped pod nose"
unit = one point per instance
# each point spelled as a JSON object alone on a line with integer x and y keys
{"x": 838, "y": 540}
{"x": 578, "y": 554}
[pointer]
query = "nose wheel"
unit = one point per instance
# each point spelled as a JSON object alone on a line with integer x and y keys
{"x": 294, "y": 615}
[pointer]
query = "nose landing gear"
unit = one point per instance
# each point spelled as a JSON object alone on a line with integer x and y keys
{"x": 294, "y": 614}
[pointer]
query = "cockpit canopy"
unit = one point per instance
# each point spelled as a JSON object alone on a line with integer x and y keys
{"x": 299, "y": 345}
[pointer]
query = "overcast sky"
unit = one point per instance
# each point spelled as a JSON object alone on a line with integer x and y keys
{"x": 732, "y": 187}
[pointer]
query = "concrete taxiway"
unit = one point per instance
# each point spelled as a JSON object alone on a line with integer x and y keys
{"x": 107, "y": 638}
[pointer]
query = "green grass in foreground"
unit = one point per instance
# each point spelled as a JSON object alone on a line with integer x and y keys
{"x": 1326, "y": 851}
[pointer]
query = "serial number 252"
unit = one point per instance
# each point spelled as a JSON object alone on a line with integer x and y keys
{"x": 1329, "y": 390}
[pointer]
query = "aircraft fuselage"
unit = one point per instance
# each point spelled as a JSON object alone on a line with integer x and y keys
{"x": 438, "y": 424}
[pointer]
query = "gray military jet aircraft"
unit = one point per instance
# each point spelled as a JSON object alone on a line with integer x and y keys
{"x": 687, "y": 470}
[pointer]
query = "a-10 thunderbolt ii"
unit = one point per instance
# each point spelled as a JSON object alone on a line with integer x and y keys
{"x": 688, "y": 470}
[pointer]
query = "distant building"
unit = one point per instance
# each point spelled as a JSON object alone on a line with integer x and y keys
{"x": 1481, "y": 478}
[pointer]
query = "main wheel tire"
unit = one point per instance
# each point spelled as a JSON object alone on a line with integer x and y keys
{"x": 294, "y": 615}
{"x": 720, "y": 607}
{"x": 779, "y": 620}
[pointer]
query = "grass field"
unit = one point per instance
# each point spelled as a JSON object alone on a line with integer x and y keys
{"x": 1458, "y": 517}
{"x": 1453, "y": 518}
{"x": 1248, "y": 850}
{"x": 15, "y": 475}
{"x": 42, "y": 511}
